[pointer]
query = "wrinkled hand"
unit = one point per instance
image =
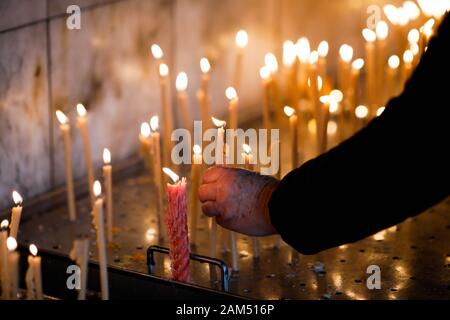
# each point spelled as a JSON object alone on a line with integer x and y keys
{"x": 238, "y": 199}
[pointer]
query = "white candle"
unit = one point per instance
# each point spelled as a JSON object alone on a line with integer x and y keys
{"x": 181, "y": 85}
{"x": 33, "y": 276}
{"x": 84, "y": 130}
{"x": 166, "y": 112}
{"x": 12, "y": 284}
{"x": 107, "y": 180}
{"x": 241, "y": 43}
{"x": 16, "y": 214}
{"x": 3, "y": 254}
{"x": 195, "y": 176}
{"x": 98, "y": 219}
{"x": 65, "y": 130}
{"x": 80, "y": 254}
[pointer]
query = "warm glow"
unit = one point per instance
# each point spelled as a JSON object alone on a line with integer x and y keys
{"x": 62, "y": 118}
{"x": 150, "y": 234}
{"x": 4, "y": 224}
{"x": 231, "y": 93}
{"x": 427, "y": 28}
{"x": 182, "y": 81}
{"x": 157, "y": 51}
{"x": 97, "y": 188}
{"x": 337, "y": 95}
{"x": 361, "y": 112}
{"x": 106, "y": 156}
{"x": 246, "y": 148}
{"x": 312, "y": 128}
{"x": 17, "y": 198}
{"x": 205, "y": 66}
{"x": 264, "y": 73}
{"x": 380, "y": 110}
{"x": 289, "y": 54}
{"x": 402, "y": 16}
{"x": 173, "y": 176}
{"x": 346, "y": 53}
{"x": 413, "y": 36}
{"x": 414, "y": 47}
{"x": 197, "y": 149}
{"x": 369, "y": 35}
{"x": 332, "y": 127}
{"x": 393, "y": 61}
{"x": 81, "y": 110}
{"x": 408, "y": 56}
{"x": 303, "y": 49}
{"x": 241, "y": 38}
{"x": 289, "y": 111}
{"x": 358, "y": 64}
{"x": 154, "y": 123}
{"x": 33, "y": 249}
{"x": 145, "y": 129}
{"x": 322, "y": 49}
{"x": 382, "y": 30}
{"x": 163, "y": 70}
{"x": 333, "y": 106}
{"x": 411, "y": 9}
{"x": 11, "y": 244}
{"x": 380, "y": 235}
{"x": 319, "y": 83}
{"x": 218, "y": 123}
{"x": 325, "y": 99}
{"x": 271, "y": 62}
{"x": 434, "y": 8}
{"x": 313, "y": 57}
{"x": 391, "y": 13}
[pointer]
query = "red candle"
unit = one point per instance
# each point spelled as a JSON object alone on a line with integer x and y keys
{"x": 177, "y": 229}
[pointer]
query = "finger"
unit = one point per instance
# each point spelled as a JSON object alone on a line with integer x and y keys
{"x": 211, "y": 209}
{"x": 207, "y": 192}
{"x": 213, "y": 174}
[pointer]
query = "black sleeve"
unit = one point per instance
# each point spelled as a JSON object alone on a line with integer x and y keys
{"x": 394, "y": 168}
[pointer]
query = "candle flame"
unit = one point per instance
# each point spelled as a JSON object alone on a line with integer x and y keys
{"x": 358, "y": 64}
{"x": 271, "y": 62}
{"x": 413, "y": 36}
{"x": 154, "y": 123}
{"x": 289, "y": 111}
{"x": 380, "y": 110}
{"x": 17, "y": 198}
{"x": 434, "y": 8}
{"x": 408, "y": 56}
{"x": 171, "y": 174}
{"x": 241, "y": 39}
{"x": 11, "y": 243}
{"x": 205, "y": 66}
{"x": 163, "y": 70}
{"x": 402, "y": 16}
{"x": 393, "y": 61}
{"x": 33, "y": 249}
{"x": 337, "y": 95}
{"x": 246, "y": 148}
{"x": 382, "y": 30}
{"x": 303, "y": 49}
{"x": 197, "y": 149}
{"x": 218, "y": 123}
{"x": 145, "y": 129}
{"x": 97, "y": 187}
{"x": 427, "y": 28}
{"x": 361, "y": 112}
{"x": 391, "y": 13}
{"x": 231, "y": 93}
{"x": 322, "y": 49}
{"x": 62, "y": 118}
{"x": 81, "y": 110}
{"x": 332, "y": 127}
{"x": 182, "y": 81}
{"x": 326, "y": 99}
{"x": 157, "y": 51}
{"x": 369, "y": 35}
{"x": 346, "y": 52}
{"x": 4, "y": 224}
{"x": 319, "y": 83}
{"x": 313, "y": 57}
{"x": 411, "y": 9}
{"x": 289, "y": 54}
{"x": 264, "y": 73}
{"x": 106, "y": 156}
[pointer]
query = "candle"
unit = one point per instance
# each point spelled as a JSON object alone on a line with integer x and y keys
{"x": 370, "y": 37}
{"x": 181, "y": 85}
{"x": 325, "y": 117}
{"x": 361, "y": 113}
{"x": 357, "y": 65}
{"x": 232, "y": 96}
{"x": 12, "y": 263}
{"x": 157, "y": 52}
{"x": 205, "y": 67}
{"x": 195, "y": 177}
{"x": 157, "y": 178}
{"x": 176, "y": 220}
{"x": 313, "y": 81}
{"x": 241, "y": 42}
{"x": 264, "y": 73}
{"x": 166, "y": 112}
{"x": 107, "y": 180}
{"x": 381, "y": 31}
{"x": 3, "y": 253}
{"x": 16, "y": 214}
{"x": 392, "y": 75}
{"x": 203, "y": 93}
{"x": 346, "y": 55}
{"x": 65, "y": 129}
{"x": 303, "y": 50}
{"x": 80, "y": 254}
{"x": 145, "y": 143}
{"x": 290, "y": 112}
{"x": 83, "y": 126}
{"x": 33, "y": 276}
{"x": 407, "y": 65}
{"x": 99, "y": 226}
{"x": 322, "y": 50}
{"x": 271, "y": 63}
{"x": 290, "y": 70}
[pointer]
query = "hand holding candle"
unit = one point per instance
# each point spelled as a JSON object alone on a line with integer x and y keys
{"x": 33, "y": 276}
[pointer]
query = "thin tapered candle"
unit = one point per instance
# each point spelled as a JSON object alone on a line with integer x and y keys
{"x": 107, "y": 180}
{"x": 181, "y": 86}
{"x": 241, "y": 43}
{"x": 16, "y": 214}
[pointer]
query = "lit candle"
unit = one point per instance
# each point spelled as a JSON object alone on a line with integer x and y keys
{"x": 241, "y": 43}
{"x": 166, "y": 112}
{"x": 361, "y": 113}
{"x": 392, "y": 75}
{"x": 233, "y": 99}
{"x": 83, "y": 126}
{"x": 370, "y": 37}
{"x": 271, "y": 63}
{"x": 205, "y": 67}
{"x": 181, "y": 85}
{"x": 357, "y": 65}
{"x": 346, "y": 55}
{"x": 323, "y": 127}
{"x": 290, "y": 112}
{"x": 157, "y": 178}
{"x": 33, "y": 276}
{"x": 65, "y": 129}
{"x": 195, "y": 176}
{"x": 381, "y": 31}
{"x": 145, "y": 143}
{"x": 16, "y": 214}
{"x": 203, "y": 93}
{"x": 157, "y": 52}
{"x": 107, "y": 180}
{"x": 264, "y": 73}
{"x": 98, "y": 219}
{"x": 12, "y": 282}
{"x": 322, "y": 50}
{"x": 3, "y": 254}
{"x": 313, "y": 84}
{"x": 80, "y": 254}
{"x": 290, "y": 69}
{"x": 303, "y": 50}
{"x": 176, "y": 220}
{"x": 407, "y": 65}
